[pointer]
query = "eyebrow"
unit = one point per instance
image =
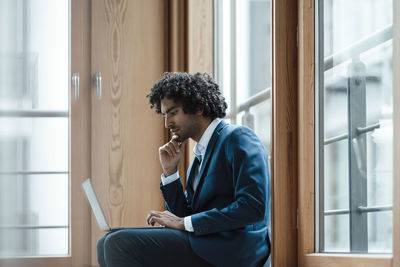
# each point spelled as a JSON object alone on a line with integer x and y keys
{"x": 169, "y": 110}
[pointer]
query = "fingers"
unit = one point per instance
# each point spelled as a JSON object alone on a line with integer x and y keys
{"x": 174, "y": 144}
{"x": 159, "y": 217}
{"x": 152, "y": 217}
{"x": 173, "y": 147}
{"x": 166, "y": 219}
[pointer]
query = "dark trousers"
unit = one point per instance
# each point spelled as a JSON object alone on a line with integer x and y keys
{"x": 147, "y": 247}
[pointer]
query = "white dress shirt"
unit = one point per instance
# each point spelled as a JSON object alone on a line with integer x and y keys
{"x": 199, "y": 151}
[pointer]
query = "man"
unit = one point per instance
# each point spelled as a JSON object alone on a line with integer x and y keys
{"x": 223, "y": 216}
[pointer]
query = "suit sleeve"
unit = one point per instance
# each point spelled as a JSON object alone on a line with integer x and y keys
{"x": 250, "y": 173}
{"x": 175, "y": 199}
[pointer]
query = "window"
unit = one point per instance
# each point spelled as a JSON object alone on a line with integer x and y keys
{"x": 243, "y": 62}
{"x": 354, "y": 117}
{"x": 34, "y": 128}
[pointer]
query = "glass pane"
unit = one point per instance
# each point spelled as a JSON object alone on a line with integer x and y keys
{"x": 33, "y": 242}
{"x": 243, "y": 56}
{"x": 337, "y": 233}
{"x": 39, "y": 200}
{"x": 336, "y": 176}
{"x": 34, "y": 77}
{"x": 253, "y": 48}
{"x": 355, "y": 126}
{"x": 259, "y": 119}
{"x": 34, "y": 48}
{"x": 42, "y": 144}
{"x": 379, "y": 231}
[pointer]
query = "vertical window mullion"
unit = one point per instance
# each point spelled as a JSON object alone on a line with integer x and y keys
{"x": 319, "y": 132}
{"x": 356, "y": 97}
{"x": 233, "y": 63}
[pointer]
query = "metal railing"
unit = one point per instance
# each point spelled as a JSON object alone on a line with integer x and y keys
{"x": 359, "y": 47}
{"x": 360, "y": 130}
{"x": 33, "y": 113}
{"x": 250, "y": 102}
{"x": 24, "y": 227}
{"x": 31, "y": 172}
{"x": 357, "y": 127}
{"x": 360, "y": 209}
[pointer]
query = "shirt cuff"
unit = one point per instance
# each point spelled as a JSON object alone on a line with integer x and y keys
{"x": 169, "y": 179}
{"x": 188, "y": 223}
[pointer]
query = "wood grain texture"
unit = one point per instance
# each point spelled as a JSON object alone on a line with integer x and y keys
{"x": 200, "y": 45}
{"x": 396, "y": 133}
{"x": 347, "y": 260}
{"x": 284, "y": 134}
{"x": 128, "y": 48}
{"x": 177, "y": 55}
{"x": 306, "y": 128}
{"x": 80, "y": 134}
{"x": 177, "y": 36}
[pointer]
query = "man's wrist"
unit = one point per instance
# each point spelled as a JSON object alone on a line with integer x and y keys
{"x": 170, "y": 172}
{"x": 182, "y": 224}
{"x": 169, "y": 179}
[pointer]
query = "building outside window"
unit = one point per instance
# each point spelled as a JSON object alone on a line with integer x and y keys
{"x": 354, "y": 114}
{"x": 243, "y": 62}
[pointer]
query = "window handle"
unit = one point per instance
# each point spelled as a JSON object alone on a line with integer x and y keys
{"x": 75, "y": 83}
{"x": 97, "y": 82}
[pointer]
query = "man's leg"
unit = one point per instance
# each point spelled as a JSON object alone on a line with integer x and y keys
{"x": 100, "y": 251}
{"x": 150, "y": 247}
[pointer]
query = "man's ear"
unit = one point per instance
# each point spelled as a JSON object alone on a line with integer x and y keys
{"x": 200, "y": 112}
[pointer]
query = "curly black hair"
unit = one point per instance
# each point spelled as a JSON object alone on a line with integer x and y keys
{"x": 195, "y": 92}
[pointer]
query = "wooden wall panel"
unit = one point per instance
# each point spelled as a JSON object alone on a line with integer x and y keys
{"x": 200, "y": 44}
{"x": 284, "y": 134}
{"x": 128, "y": 48}
{"x": 177, "y": 35}
{"x": 177, "y": 61}
{"x": 80, "y": 133}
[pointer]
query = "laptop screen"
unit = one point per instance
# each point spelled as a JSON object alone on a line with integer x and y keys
{"x": 95, "y": 204}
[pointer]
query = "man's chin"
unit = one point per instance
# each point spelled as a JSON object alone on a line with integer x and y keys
{"x": 181, "y": 139}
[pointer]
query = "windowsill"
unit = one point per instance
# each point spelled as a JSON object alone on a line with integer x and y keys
{"x": 350, "y": 260}
{"x": 351, "y": 255}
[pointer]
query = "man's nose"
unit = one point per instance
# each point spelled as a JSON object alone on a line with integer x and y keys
{"x": 167, "y": 122}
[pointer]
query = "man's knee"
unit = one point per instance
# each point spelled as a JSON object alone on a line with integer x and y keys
{"x": 100, "y": 243}
{"x": 114, "y": 242}
{"x": 100, "y": 250}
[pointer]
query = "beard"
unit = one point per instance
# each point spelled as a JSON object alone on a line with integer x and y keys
{"x": 186, "y": 131}
{"x": 182, "y": 136}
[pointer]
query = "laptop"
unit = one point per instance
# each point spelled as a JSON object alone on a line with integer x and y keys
{"x": 98, "y": 211}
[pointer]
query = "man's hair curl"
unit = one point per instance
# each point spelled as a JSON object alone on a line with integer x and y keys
{"x": 194, "y": 91}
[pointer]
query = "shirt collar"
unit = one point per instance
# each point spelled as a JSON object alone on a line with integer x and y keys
{"x": 200, "y": 148}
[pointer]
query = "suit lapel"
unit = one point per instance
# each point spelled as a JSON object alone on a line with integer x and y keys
{"x": 207, "y": 156}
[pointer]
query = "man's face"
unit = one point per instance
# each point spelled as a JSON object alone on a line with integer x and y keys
{"x": 177, "y": 121}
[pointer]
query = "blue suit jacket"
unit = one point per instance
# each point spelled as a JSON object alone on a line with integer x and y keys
{"x": 230, "y": 208}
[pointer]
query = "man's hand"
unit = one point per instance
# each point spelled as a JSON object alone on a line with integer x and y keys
{"x": 170, "y": 155}
{"x": 166, "y": 219}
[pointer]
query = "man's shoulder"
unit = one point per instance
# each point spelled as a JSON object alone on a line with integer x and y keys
{"x": 230, "y": 130}
{"x": 232, "y": 136}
